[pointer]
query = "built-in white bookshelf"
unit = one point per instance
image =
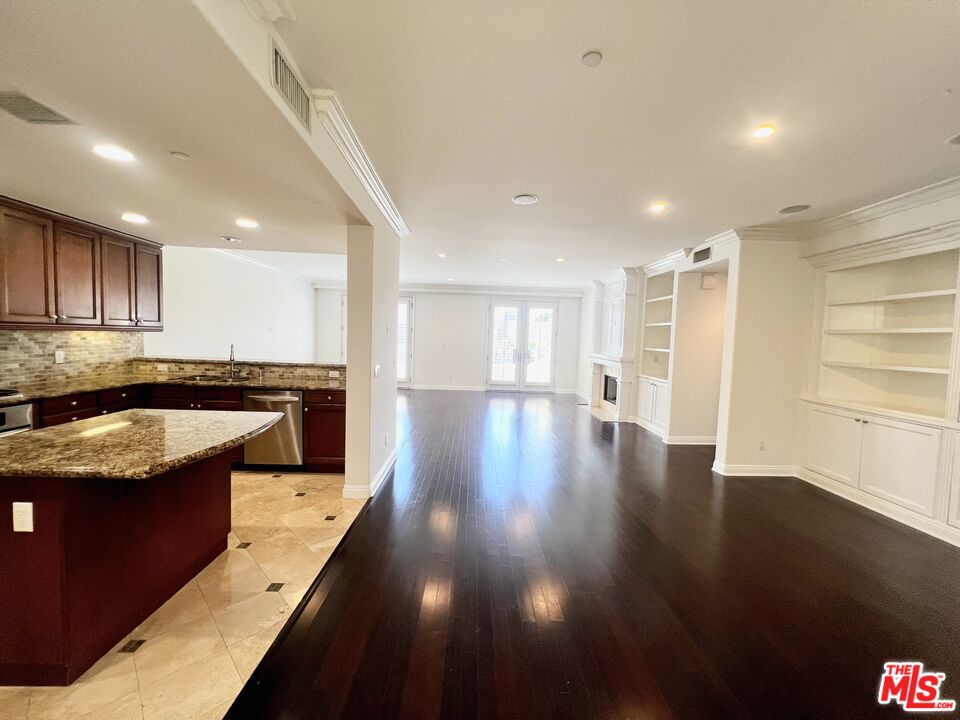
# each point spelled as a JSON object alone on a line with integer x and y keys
{"x": 888, "y": 333}
{"x": 657, "y": 325}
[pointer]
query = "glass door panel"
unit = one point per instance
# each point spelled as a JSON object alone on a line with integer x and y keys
{"x": 504, "y": 343}
{"x": 404, "y": 344}
{"x": 538, "y": 356}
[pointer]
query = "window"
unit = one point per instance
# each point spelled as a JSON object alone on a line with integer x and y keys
{"x": 404, "y": 339}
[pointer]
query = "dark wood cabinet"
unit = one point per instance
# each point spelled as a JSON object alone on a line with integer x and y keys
{"x": 149, "y": 285}
{"x": 76, "y": 267}
{"x": 324, "y": 434}
{"x": 56, "y": 271}
{"x": 26, "y": 268}
{"x": 118, "y": 261}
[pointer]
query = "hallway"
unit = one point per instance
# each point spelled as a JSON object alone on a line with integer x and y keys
{"x": 529, "y": 561}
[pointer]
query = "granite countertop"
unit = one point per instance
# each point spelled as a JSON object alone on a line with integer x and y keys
{"x": 93, "y": 383}
{"x": 134, "y": 444}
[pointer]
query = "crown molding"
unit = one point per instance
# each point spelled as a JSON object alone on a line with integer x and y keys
{"x": 498, "y": 290}
{"x": 334, "y": 120}
{"x": 907, "y": 201}
{"x": 256, "y": 263}
{"x": 932, "y": 239}
{"x": 664, "y": 264}
{"x": 769, "y": 233}
{"x": 269, "y": 11}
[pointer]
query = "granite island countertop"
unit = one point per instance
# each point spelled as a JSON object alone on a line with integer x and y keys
{"x": 92, "y": 383}
{"x": 133, "y": 444}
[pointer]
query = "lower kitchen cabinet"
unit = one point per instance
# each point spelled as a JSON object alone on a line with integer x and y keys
{"x": 324, "y": 429}
{"x": 889, "y": 459}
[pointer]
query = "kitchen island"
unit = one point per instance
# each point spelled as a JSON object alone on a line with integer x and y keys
{"x": 105, "y": 519}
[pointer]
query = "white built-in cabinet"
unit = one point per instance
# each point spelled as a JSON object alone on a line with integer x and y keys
{"x": 882, "y": 407}
{"x": 890, "y": 459}
{"x": 654, "y": 402}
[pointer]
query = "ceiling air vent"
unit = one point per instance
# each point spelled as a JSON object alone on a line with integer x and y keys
{"x": 290, "y": 88}
{"x": 26, "y": 108}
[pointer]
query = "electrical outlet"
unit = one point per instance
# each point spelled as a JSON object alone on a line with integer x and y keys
{"x": 762, "y": 446}
{"x": 162, "y": 367}
{"x": 23, "y": 517}
{"x": 333, "y": 373}
{"x": 386, "y": 440}
{"x": 59, "y": 356}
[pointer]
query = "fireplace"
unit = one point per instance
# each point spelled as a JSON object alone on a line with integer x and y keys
{"x": 610, "y": 389}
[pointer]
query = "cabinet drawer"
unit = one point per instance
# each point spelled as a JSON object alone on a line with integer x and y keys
{"x": 220, "y": 393}
{"x": 325, "y": 397}
{"x": 202, "y": 404}
{"x": 63, "y": 418}
{"x": 68, "y": 403}
{"x": 124, "y": 395}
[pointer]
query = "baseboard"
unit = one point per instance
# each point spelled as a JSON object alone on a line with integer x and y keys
{"x": 690, "y": 439}
{"x": 754, "y": 470}
{"x": 567, "y": 391}
{"x": 361, "y": 492}
{"x": 936, "y": 528}
{"x": 648, "y": 426}
{"x": 469, "y": 388}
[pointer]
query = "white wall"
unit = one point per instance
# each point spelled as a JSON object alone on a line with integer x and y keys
{"x": 211, "y": 300}
{"x": 587, "y": 331}
{"x": 769, "y": 305}
{"x": 329, "y": 327}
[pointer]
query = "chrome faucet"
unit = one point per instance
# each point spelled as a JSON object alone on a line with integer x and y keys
{"x": 233, "y": 362}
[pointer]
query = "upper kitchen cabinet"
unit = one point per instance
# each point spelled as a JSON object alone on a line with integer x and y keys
{"x": 118, "y": 262}
{"x": 76, "y": 263}
{"x": 149, "y": 272}
{"x": 56, "y": 271}
{"x": 26, "y": 268}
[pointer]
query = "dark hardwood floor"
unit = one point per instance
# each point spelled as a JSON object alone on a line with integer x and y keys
{"x": 528, "y": 561}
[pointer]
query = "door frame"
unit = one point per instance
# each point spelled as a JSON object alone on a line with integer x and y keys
{"x": 523, "y": 305}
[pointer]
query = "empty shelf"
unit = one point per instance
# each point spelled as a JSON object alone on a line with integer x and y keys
{"x": 898, "y": 297}
{"x": 893, "y": 331}
{"x": 892, "y": 368}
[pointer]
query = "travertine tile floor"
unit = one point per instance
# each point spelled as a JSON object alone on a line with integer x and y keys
{"x": 204, "y": 643}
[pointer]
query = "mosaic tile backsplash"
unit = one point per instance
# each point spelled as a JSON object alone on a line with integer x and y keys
{"x": 28, "y": 355}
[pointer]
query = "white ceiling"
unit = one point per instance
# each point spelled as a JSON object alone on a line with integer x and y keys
{"x": 463, "y": 104}
{"x": 155, "y": 81}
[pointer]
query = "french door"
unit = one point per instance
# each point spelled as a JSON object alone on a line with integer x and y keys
{"x": 521, "y": 352}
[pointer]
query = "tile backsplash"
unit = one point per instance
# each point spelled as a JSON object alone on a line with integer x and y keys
{"x": 28, "y": 355}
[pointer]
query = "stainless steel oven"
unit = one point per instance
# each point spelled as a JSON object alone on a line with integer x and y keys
{"x": 15, "y": 419}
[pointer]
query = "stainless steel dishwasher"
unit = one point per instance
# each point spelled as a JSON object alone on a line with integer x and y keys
{"x": 281, "y": 444}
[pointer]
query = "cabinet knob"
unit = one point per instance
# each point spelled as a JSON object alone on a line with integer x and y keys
{"x": 866, "y": 422}
{"x": 104, "y": 412}
{"x": 74, "y": 403}
{"x": 329, "y": 397}
{"x": 191, "y": 406}
{"x": 74, "y": 418}
{"x": 306, "y": 409}
{"x": 123, "y": 395}
{"x": 198, "y": 406}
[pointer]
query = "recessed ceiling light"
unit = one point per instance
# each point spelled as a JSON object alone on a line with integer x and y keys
{"x": 135, "y": 218}
{"x": 503, "y": 259}
{"x": 592, "y": 58}
{"x": 763, "y": 131}
{"x": 525, "y": 199}
{"x": 658, "y": 207}
{"x": 561, "y": 260}
{"x": 178, "y": 155}
{"x": 449, "y": 279}
{"x": 247, "y": 223}
{"x": 441, "y": 255}
{"x": 230, "y": 238}
{"x": 113, "y": 152}
{"x": 790, "y": 209}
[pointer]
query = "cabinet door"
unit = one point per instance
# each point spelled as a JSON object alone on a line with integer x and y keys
{"x": 647, "y": 392}
{"x": 899, "y": 463}
{"x": 118, "y": 260}
{"x": 149, "y": 283}
{"x": 76, "y": 261}
{"x": 661, "y": 405}
{"x": 832, "y": 446}
{"x": 324, "y": 434}
{"x": 26, "y": 268}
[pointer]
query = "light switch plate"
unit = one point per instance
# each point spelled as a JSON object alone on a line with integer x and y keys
{"x": 333, "y": 373}
{"x": 59, "y": 356}
{"x": 23, "y": 517}
{"x": 376, "y": 370}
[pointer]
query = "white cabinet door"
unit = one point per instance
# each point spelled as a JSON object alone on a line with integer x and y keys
{"x": 647, "y": 392}
{"x": 899, "y": 463}
{"x": 833, "y": 444}
{"x": 661, "y": 405}
{"x": 954, "y": 514}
